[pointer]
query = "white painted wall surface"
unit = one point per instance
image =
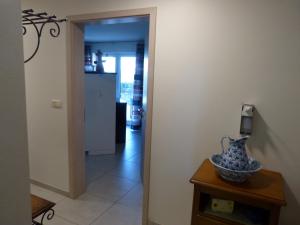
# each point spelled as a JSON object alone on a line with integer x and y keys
{"x": 45, "y": 77}
{"x": 210, "y": 57}
{"x": 14, "y": 172}
{"x": 100, "y": 114}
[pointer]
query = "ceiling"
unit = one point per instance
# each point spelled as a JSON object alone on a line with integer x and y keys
{"x": 117, "y": 30}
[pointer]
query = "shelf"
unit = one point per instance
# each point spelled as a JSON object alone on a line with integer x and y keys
{"x": 256, "y": 201}
{"x": 242, "y": 214}
{"x": 237, "y": 216}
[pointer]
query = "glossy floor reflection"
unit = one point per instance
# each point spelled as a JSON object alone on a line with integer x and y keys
{"x": 114, "y": 189}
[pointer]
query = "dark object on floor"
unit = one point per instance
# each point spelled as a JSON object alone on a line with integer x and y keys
{"x": 121, "y": 122}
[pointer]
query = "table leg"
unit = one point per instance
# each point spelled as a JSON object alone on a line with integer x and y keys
{"x": 48, "y": 215}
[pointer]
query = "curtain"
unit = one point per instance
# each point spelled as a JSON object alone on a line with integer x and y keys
{"x": 137, "y": 99}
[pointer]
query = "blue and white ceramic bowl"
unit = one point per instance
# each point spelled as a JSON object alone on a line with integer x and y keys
{"x": 238, "y": 176}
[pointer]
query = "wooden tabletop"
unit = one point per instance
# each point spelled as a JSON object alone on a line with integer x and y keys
{"x": 40, "y": 206}
{"x": 265, "y": 184}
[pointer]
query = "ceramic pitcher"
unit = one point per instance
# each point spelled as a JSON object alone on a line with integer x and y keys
{"x": 235, "y": 156}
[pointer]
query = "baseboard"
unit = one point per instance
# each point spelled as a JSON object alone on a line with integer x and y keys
{"x": 50, "y": 188}
{"x": 152, "y": 223}
{"x": 101, "y": 152}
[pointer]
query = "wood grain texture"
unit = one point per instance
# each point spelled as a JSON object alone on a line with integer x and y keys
{"x": 40, "y": 206}
{"x": 152, "y": 12}
{"x": 75, "y": 82}
{"x": 262, "y": 191}
{"x": 266, "y": 185}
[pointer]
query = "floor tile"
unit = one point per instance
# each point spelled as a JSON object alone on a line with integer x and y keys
{"x": 93, "y": 174}
{"x": 120, "y": 215}
{"x": 110, "y": 187}
{"x": 135, "y": 159}
{"x": 117, "y": 178}
{"x": 56, "y": 220}
{"x": 114, "y": 194}
{"x": 46, "y": 194}
{"x": 125, "y": 152}
{"x": 83, "y": 210}
{"x": 102, "y": 162}
{"x": 134, "y": 198}
{"x": 127, "y": 170}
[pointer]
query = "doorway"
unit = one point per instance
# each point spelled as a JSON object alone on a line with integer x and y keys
{"x": 76, "y": 99}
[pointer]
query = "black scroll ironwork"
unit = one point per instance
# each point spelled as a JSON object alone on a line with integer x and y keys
{"x": 48, "y": 215}
{"x": 38, "y": 22}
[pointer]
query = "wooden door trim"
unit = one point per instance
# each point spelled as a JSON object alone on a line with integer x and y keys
{"x": 76, "y": 163}
{"x": 75, "y": 151}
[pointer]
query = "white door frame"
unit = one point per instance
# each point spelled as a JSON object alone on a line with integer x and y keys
{"x": 75, "y": 89}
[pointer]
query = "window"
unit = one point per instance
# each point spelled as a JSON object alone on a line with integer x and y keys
{"x": 127, "y": 69}
{"x": 127, "y": 78}
{"x": 109, "y": 64}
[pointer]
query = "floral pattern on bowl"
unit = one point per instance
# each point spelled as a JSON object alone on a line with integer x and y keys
{"x": 237, "y": 176}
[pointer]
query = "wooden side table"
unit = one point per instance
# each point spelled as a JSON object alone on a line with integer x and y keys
{"x": 40, "y": 206}
{"x": 256, "y": 201}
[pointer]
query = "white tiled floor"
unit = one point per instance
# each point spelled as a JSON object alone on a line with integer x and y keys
{"x": 114, "y": 192}
{"x": 110, "y": 187}
{"x": 120, "y": 215}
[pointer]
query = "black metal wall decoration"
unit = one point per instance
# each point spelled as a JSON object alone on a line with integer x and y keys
{"x": 38, "y": 22}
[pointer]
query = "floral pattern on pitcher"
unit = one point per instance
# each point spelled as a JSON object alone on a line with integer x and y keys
{"x": 235, "y": 156}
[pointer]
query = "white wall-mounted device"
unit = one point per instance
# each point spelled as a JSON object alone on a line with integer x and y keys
{"x": 247, "y": 119}
{"x": 56, "y": 103}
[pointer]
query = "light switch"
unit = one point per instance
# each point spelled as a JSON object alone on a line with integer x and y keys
{"x": 56, "y": 103}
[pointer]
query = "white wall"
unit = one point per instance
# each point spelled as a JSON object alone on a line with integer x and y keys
{"x": 210, "y": 57}
{"x": 14, "y": 185}
{"x": 100, "y": 114}
{"x": 47, "y": 127}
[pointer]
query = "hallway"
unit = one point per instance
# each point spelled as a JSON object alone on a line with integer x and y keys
{"x": 114, "y": 189}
